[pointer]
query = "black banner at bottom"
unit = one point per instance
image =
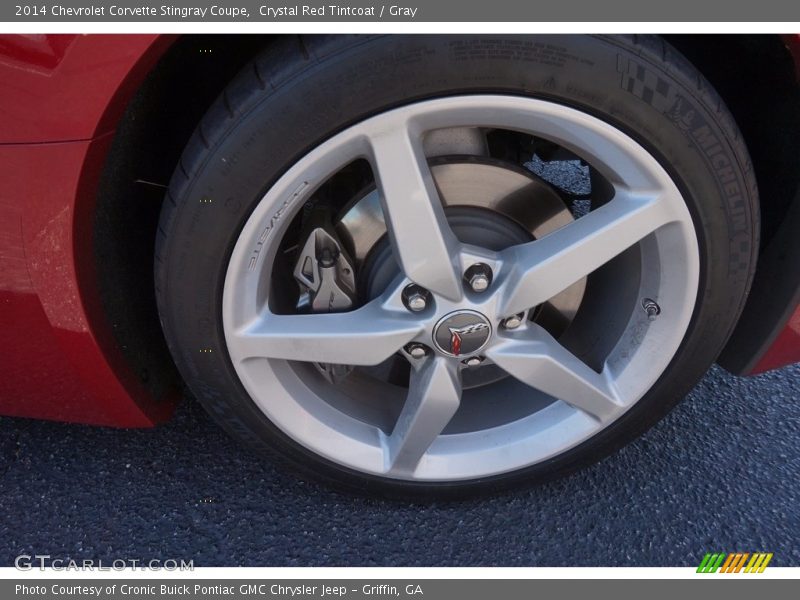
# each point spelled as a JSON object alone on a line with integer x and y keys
{"x": 357, "y": 589}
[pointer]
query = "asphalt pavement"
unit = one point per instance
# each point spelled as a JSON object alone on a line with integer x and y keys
{"x": 720, "y": 473}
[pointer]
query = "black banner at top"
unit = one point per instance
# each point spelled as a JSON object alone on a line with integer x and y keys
{"x": 441, "y": 11}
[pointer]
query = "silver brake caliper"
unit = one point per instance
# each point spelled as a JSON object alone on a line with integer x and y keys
{"x": 325, "y": 274}
{"x": 327, "y": 282}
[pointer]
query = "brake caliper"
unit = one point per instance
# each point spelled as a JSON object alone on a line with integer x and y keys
{"x": 325, "y": 274}
{"x": 327, "y": 282}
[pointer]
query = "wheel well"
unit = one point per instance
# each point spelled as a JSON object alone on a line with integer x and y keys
{"x": 148, "y": 142}
{"x": 755, "y": 75}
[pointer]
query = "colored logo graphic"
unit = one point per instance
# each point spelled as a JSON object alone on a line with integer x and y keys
{"x": 461, "y": 333}
{"x": 735, "y": 562}
{"x": 455, "y": 336}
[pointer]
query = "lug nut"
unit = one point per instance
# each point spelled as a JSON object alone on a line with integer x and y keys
{"x": 479, "y": 277}
{"x": 417, "y": 302}
{"x": 513, "y": 322}
{"x": 473, "y": 361}
{"x": 651, "y": 308}
{"x": 416, "y": 350}
{"x": 415, "y": 297}
{"x": 479, "y": 283}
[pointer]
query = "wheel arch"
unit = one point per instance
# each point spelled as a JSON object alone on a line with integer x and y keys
{"x": 150, "y": 131}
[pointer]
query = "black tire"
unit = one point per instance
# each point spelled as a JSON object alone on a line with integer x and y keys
{"x": 304, "y": 89}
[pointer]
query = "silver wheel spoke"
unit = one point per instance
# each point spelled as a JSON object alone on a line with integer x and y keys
{"x": 421, "y": 238}
{"x": 433, "y": 398}
{"x": 545, "y": 267}
{"x": 366, "y": 336}
{"x": 541, "y": 362}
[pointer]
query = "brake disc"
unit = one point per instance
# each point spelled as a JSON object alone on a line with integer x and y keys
{"x": 507, "y": 190}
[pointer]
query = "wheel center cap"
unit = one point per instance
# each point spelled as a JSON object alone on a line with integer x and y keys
{"x": 461, "y": 333}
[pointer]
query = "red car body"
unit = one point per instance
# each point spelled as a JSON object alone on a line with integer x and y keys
{"x": 62, "y": 98}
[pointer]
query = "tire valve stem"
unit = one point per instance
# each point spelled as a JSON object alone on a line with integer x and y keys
{"x": 651, "y": 308}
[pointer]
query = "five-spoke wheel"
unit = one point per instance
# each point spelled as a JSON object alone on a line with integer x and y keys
{"x": 472, "y": 291}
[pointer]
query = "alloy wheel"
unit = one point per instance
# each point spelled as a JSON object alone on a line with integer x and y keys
{"x": 415, "y": 343}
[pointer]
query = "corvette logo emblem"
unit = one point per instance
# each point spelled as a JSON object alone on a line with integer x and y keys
{"x": 456, "y": 333}
{"x": 461, "y": 333}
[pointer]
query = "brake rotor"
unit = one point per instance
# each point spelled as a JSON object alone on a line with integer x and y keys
{"x": 518, "y": 197}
